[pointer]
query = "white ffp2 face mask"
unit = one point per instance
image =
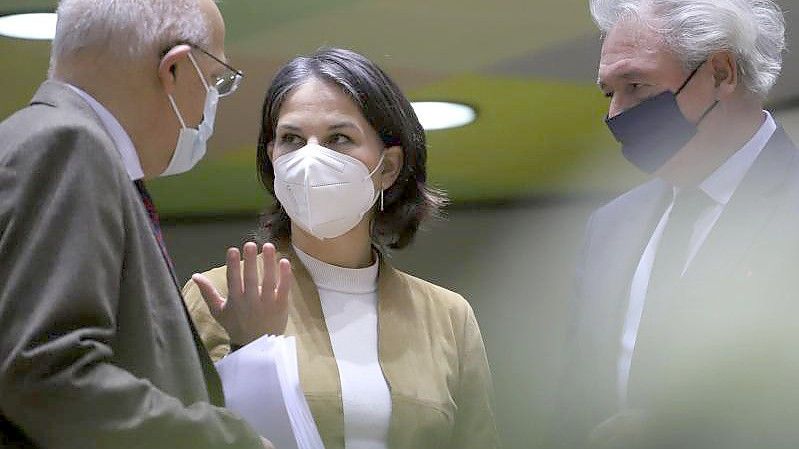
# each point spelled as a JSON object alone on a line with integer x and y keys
{"x": 324, "y": 192}
{"x": 192, "y": 143}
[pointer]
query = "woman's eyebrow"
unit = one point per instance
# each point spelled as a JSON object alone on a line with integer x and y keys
{"x": 289, "y": 127}
{"x": 341, "y": 125}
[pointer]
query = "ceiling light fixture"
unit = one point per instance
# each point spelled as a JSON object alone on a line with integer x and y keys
{"x": 37, "y": 26}
{"x": 435, "y": 115}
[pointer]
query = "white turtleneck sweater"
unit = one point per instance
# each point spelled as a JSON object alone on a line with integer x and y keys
{"x": 349, "y": 304}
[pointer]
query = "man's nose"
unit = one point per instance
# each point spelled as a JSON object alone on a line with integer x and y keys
{"x": 616, "y": 106}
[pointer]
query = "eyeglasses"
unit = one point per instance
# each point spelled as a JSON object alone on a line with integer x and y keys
{"x": 228, "y": 82}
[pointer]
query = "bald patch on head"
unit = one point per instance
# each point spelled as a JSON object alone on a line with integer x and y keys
{"x": 216, "y": 26}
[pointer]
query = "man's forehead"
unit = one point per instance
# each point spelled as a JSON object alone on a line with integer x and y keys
{"x": 628, "y": 67}
{"x": 632, "y": 38}
{"x": 630, "y": 48}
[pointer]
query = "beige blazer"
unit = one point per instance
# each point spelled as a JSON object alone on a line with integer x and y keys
{"x": 430, "y": 350}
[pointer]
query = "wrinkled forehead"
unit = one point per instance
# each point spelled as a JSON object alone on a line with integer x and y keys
{"x": 632, "y": 48}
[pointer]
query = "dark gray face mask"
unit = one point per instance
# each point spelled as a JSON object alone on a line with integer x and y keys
{"x": 655, "y": 130}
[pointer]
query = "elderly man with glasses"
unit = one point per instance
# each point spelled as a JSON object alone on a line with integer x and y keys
{"x": 96, "y": 347}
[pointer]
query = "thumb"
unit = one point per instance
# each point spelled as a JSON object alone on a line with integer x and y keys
{"x": 215, "y": 301}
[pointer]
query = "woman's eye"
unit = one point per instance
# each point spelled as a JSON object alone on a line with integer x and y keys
{"x": 291, "y": 139}
{"x": 340, "y": 139}
{"x": 608, "y": 94}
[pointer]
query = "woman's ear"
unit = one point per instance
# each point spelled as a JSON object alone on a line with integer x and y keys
{"x": 270, "y": 151}
{"x": 392, "y": 166}
{"x": 167, "y": 68}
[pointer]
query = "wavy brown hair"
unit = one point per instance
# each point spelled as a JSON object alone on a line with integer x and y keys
{"x": 410, "y": 200}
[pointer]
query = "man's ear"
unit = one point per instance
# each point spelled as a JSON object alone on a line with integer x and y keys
{"x": 725, "y": 73}
{"x": 392, "y": 166}
{"x": 167, "y": 68}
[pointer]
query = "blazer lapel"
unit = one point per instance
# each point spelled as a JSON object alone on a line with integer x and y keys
{"x": 319, "y": 375}
{"x": 216, "y": 395}
{"x": 617, "y": 236}
{"x": 310, "y": 325}
{"x": 623, "y": 240}
{"x": 391, "y": 324}
{"x": 750, "y": 210}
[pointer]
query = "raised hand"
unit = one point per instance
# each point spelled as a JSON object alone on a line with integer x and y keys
{"x": 252, "y": 308}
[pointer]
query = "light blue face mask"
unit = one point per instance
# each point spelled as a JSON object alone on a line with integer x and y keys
{"x": 192, "y": 143}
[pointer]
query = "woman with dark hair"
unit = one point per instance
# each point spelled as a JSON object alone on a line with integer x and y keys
{"x": 386, "y": 360}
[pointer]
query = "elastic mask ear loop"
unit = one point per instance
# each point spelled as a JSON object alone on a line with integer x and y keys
{"x": 172, "y": 99}
{"x": 199, "y": 72}
{"x": 690, "y": 77}
{"x": 177, "y": 111}
{"x": 708, "y": 111}
{"x": 379, "y": 164}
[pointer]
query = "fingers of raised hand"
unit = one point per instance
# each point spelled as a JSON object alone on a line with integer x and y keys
{"x": 285, "y": 280}
{"x": 234, "y": 285}
{"x": 256, "y": 305}
{"x": 250, "y": 271}
{"x": 268, "y": 281}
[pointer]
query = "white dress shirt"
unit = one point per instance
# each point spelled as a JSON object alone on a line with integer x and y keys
{"x": 349, "y": 304}
{"x": 719, "y": 186}
{"x": 118, "y": 135}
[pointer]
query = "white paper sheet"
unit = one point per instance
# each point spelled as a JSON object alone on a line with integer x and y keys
{"x": 262, "y": 385}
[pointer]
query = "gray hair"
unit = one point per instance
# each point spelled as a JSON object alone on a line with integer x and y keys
{"x": 127, "y": 28}
{"x": 753, "y": 30}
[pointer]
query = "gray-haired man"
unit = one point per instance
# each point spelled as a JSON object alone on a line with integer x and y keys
{"x": 687, "y": 283}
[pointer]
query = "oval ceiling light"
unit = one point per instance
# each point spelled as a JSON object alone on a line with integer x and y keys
{"x": 435, "y": 115}
{"x": 38, "y": 26}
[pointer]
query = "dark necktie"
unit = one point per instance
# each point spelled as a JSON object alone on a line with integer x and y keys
{"x": 213, "y": 383}
{"x": 675, "y": 244}
{"x": 660, "y": 320}
{"x": 155, "y": 222}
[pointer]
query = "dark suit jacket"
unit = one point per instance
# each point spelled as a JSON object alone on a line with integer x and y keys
{"x": 731, "y": 314}
{"x": 96, "y": 349}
